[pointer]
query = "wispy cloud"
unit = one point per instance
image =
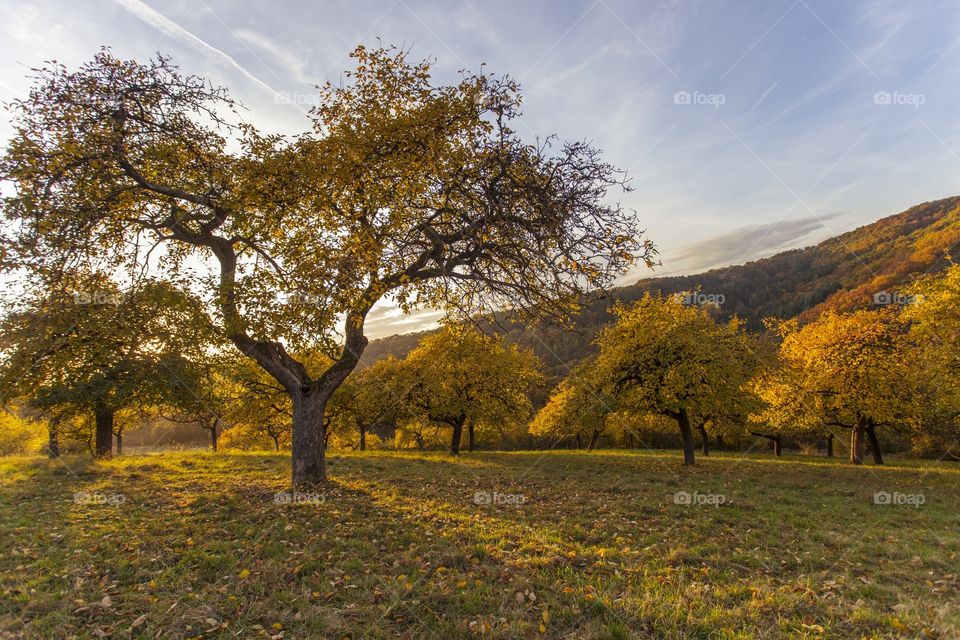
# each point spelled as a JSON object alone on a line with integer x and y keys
{"x": 745, "y": 243}
{"x": 170, "y": 28}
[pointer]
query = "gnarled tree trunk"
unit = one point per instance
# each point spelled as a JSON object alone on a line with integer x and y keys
{"x": 686, "y": 434}
{"x": 775, "y": 440}
{"x": 594, "y": 437}
{"x": 457, "y": 435}
{"x": 871, "y": 431}
{"x": 103, "y": 437}
{"x": 856, "y": 442}
{"x": 53, "y": 436}
{"x": 704, "y": 439}
{"x": 308, "y": 447}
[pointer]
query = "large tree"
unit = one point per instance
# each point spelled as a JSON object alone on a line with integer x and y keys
{"x": 403, "y": 188}
{"x": 670, "y": 359}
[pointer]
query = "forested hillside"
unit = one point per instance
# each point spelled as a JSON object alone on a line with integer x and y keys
{"x": 844, "y": 272}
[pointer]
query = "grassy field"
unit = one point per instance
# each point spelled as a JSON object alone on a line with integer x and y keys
{"x": 492, "y": 545}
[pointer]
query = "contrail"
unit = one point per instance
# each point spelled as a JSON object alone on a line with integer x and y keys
{"x": 172, "y": 29}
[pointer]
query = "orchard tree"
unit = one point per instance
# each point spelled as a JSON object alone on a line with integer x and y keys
{"x": 402, "y": 188}
{"x": 934, "y": 318}
{"x": 578, "y": 408}
{"x": 211, "y": 393}
{"x": 95, "y": 349}
{"x": 462, "y": 378}
{"x": 667, "y": 358}
{"x": 368, "y": 398}
{"x": 847, "y": 370}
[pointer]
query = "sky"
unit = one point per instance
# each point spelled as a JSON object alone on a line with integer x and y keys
{"x": 748, "y": 126}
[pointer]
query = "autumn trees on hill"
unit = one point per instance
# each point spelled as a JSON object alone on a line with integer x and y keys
{"x": 887, "y": 369}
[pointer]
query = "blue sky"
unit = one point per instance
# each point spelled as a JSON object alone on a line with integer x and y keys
{"x": 749, "y": 127}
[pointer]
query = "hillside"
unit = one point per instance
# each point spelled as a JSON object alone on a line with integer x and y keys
{"x": 843, "y": 273}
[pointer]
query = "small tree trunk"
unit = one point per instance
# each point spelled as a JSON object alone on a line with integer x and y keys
{"x": 830, "y": 445}
{"x": 471, "y": 439}
{"x": 363, "y": 438}
{"x": 53, "y": 435}
{"x": 419, "y": 438}
{"x": 594, "y": 437}
{"x": 579, "y": 444}
{"x": 871, "y": 432}
{"x": 686, "y": 434}
{"x": 719, "y": 442}
{"x": 455, "y": 440}
{"x": 630, "y": 441}
{"x": 309, "y": 448}
{"x": 776, "y": 441}
{"x": 856, "y": 443}
{"x": 704, "y": 439}
{"x": 213, "y": 438}
{"x": 103, "y": 419}
{"x": 119, "y": 444}
{"x": 276, "y": 442}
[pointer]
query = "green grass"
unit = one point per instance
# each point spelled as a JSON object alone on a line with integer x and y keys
{"x": 398, "y": 548}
